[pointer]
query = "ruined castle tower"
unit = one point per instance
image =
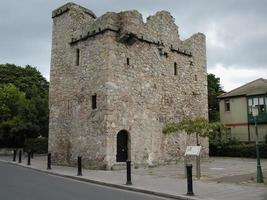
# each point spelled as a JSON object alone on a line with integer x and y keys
{"x": 115, "y": 81}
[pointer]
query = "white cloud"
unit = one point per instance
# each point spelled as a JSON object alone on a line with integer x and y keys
{"x": 232, "y": 76}
{"x": 215, "y": 36}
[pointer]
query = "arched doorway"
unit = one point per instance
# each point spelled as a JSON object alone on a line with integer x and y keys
{"x": 122, "y": 146}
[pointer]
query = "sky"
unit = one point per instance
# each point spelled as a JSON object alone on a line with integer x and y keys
{"x": 236, "y": 32}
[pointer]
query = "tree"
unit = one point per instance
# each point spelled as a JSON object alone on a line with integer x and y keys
{"x": 214, "y": 90}
{"x": 28, "y": 79}
{"x": 199, "y": 126}
{"x": 13, "y": 112}
{"x": 34, "y": 86}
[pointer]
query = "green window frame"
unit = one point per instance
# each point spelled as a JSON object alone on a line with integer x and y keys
{"x": 259, "y": 101}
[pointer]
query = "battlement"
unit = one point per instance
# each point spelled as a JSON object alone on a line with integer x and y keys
{"x": 65, "y": 8}
{"x": 159, "y": 29}
{"x": 180, "y": 50}
{"x": 157, "y": 26}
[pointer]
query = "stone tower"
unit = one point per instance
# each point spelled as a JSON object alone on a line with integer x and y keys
{"x": 115, "y": 81}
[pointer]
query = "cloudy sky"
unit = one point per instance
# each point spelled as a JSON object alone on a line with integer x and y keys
{"x": 236, "y": 32}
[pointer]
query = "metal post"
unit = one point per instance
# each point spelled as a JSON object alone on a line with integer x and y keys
{"x": 259, "y": 171}
{"x": 49, "y": 161}
{"x": 128, "y": 171}
{"x": 185, "y": 163}
{"x": 189, "y": 180}
{"x": 198, "y": 172}
{"x": 79, "y": 166}
{"x": 29, "y": 159}
{"x": 14, "y": 155}
{"x": 20, "y": 154}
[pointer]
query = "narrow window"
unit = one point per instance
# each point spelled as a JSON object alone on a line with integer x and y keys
{"x": 94, "y": 101}
{"x": 77, "y": 57}
{"x": 175, "y": 69}
{"x": 255, "y": 101}
{"x": 68, "y": 107}
{"x": 261, "y": 101}
{"x": 128, "y": 61}
{"x": 227, "y": 104}
{"x": 250, "y": 102}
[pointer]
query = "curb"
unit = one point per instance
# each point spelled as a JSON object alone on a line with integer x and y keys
{"x": 123, "y": 187}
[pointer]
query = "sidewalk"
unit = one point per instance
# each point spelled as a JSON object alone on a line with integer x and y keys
{"x": 164, "y": 186}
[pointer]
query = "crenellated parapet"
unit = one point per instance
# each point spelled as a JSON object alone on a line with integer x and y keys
{"x": 129, "y": 28}
{"x": 159, "y": 29}
{"x": 71, "y": 6}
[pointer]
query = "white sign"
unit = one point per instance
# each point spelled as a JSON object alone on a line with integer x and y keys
{"x": 192, "y": 150}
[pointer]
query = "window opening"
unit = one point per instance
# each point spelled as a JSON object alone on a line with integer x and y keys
{"x": 175, "y": 69}
{"x": 77, "y": 57}
{"x": 227, "y": 105}
{"x": 94, "y": 102}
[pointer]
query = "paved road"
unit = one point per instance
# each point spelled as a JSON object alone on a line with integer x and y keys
{"x": 17, "y": 183}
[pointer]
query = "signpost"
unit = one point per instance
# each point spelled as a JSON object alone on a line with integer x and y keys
{"x": 193, "y": 151}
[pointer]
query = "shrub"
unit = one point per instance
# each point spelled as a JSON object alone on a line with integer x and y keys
{"x": 36, "y": 145}
{"x": 239, "y": 150}
{"x": 11, "y": 141}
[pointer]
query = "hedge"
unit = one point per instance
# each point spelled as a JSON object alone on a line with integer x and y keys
{"x": 36, "y": 145}
{"x": 7, "y": 141}
{"x": 240, "y": 150}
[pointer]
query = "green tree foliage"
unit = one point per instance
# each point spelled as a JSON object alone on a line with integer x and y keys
{"x": 13, "y": 112}
{"x": 32, "y": 115}
{"x": 199, "y": 126}
{"x": 214, "y": 90}
{"x": 28, "y": 79}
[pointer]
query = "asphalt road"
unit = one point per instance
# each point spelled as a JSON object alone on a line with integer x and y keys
{"x": 18, "y": 183}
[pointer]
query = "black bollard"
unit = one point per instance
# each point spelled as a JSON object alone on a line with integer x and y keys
{"x": 189, "y": 180}
{"x": 79, "y": 166}
{"x": 128, "y": 171}
{"x": 49, "y": 161}
{"x": 29, "y": 159}
{"x": 14, "y": 155}
{"x": 20, "y": 154}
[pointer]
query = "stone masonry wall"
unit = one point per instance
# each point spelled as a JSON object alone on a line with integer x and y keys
{"x": 139, "y": 96}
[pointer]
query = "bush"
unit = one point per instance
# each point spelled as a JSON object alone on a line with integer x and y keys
{"x": 36, "y": 145}
{"x": 11, "y": 141}
{"x": 239, "y": 150}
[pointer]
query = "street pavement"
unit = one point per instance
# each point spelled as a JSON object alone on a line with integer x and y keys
{"x": 17, "y": 183}
{"x": 168, "y": 181}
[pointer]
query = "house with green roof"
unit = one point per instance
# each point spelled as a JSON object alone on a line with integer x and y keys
{"x": 236, "y": 110}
